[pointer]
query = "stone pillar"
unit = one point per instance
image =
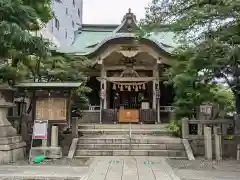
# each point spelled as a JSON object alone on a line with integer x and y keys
{"x": 12, "y": 147}
{"x": 208, "y": 142}
{"x": 238, "y": 152}
{"x": 218, "y": 143}
{"x": 185, "y": 128}
{"x": 55, "y": 151}
{"x": 54, "y": 136}
{"x": 74, "y": 127}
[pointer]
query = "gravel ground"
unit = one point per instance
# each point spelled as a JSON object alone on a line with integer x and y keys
{"x": 202, "y": 164}
{"x": 59, "y": 162}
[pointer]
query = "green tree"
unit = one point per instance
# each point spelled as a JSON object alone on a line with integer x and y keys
{"x": 208, "y": 38}
{"x": 25, "y": 57}
{"x": 18, "y": 18}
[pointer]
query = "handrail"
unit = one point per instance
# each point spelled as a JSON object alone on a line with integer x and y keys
{"x": 130, "y": 131}
{"x": 211, "y": 122}
{"x": 130, "y": 139}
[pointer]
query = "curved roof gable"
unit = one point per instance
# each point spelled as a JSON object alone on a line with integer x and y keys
{"x": 91, "y": 37}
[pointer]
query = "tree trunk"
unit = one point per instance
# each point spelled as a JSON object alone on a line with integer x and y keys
{"x": 237, "y": 101}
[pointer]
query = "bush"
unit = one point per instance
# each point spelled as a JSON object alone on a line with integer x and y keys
{"x": 175, "y": 128}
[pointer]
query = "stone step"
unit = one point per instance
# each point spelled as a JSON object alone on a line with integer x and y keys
{"x": 97, "y": 152}
{"x": 124, "y": 131}
{"x": 124, "y": 139}
{"x": 122, "y": 126}
{"x": 132, "y": 146}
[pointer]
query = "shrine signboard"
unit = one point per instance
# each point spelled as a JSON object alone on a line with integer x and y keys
{"x": 52, "y": 109}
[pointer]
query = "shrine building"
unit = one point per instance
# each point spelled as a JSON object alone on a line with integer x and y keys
{"x": 126, "y": 71}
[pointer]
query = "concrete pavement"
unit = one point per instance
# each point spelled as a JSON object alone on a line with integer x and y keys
{"x": 122, "y": 168}
{"x": 102, "y": 168}
{"x": 130, "y": 168}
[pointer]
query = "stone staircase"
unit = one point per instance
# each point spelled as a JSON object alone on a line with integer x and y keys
{"x": 123, "y": 129}
{"x": 114, "y": 140}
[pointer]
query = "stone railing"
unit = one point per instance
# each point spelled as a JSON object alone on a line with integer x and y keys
{"x": 169, "y": 112}
{"x": 226, "y": 127}
{"x": 90, "y": 116}
{"x": 210, "y": 137}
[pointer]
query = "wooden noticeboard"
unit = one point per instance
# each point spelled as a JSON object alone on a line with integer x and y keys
{"x": 52, "y": 109}
{"x": 128, "y": 116}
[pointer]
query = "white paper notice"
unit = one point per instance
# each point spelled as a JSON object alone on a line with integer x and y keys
{"x": 40, "y": 129}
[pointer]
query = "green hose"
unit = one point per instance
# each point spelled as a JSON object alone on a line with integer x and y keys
{"x": 39, "y": 159}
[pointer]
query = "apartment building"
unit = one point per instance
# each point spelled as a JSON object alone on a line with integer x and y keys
{"x": 67, "y": 19}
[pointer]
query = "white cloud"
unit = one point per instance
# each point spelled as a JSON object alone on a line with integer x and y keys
{"x": 111, "y": 11}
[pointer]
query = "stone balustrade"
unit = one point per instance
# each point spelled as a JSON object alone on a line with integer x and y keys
{"x": 224, "y": 124}
{"x": 210, "y": 138}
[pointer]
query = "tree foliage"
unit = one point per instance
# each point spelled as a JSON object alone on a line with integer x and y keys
{"x": 18, "y": 18}
{"x": 209, "y": 46}
{"x": 25, "y": 57}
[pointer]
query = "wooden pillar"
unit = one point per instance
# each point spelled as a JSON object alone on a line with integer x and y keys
{"x": 155, "y": 83}
{"x": 104, "y": 86}
{"x": 154, "y": 94}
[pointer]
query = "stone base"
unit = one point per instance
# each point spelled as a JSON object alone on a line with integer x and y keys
{"x": 11, "y": 149}
{"x": 55, "y": 153}
{"x": 7, "y": 131}
{"x": 48, "y": 151}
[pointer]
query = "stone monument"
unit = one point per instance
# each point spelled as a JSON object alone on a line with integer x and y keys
{"x": 12, "y": 147}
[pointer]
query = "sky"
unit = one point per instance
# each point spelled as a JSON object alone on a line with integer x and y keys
{"x": 111, "y": 11}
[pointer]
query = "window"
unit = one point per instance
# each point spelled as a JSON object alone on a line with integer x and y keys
{"x": 56, "y": 23}
{"x": 74, "y": 3}
{"x": 66, "y": 11}
{"x": 66, "y": 35}
{"x": 79, "y": 13}
{"x": 73, "y": 24}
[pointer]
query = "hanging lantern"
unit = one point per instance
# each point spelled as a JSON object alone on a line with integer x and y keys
{"x": 139, "y": 87}
{"x": 144, "y": 86}
{"x": 114, "y": 86}
{"x": 121, "y": 88}
{"x": 129, "y": 88}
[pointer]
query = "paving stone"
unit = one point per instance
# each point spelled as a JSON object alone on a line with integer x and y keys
{"x": 115, "y": 171}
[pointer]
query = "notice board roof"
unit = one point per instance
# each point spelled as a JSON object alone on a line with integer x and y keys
{"x": 50, "y": 85}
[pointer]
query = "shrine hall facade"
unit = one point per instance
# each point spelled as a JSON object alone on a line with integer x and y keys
{"x": 126, "y": 71}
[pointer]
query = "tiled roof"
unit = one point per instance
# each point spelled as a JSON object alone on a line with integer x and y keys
{"x": 91, "y": 37}
{"x": 87, "y": 41}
